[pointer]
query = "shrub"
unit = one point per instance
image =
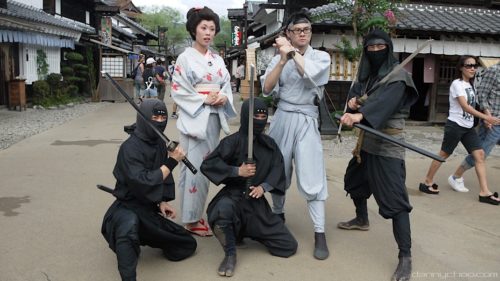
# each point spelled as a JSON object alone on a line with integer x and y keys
{"x": 67, "y": 71}
{"x": 80, "y": 67}
{"x": 41, "y": 90}
{"x": 74, "y": 56}
{"x": 75, "y": 79}
{"x": 53, "y": 79}
{"x": 72, "y": 90}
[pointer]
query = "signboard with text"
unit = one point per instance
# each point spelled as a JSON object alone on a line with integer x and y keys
{"x": 236, "y": 36}
{"x": 106, "y": 28}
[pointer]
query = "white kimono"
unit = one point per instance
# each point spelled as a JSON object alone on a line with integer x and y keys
{"x": 199, "y": 123}
{"x": 193, "y": 68}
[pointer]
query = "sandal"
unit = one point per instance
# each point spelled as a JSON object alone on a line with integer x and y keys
{"x": 427, "y": 189}
{"x": 201, "y": 229}
{"x": 488, "y": 199}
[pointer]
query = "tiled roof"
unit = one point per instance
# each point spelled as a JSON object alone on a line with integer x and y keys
{"x": 136, "y": 25}
{"x": 124, "y": 32}
{"x": 35, "y": 15}
{"x": 426, "y": 17}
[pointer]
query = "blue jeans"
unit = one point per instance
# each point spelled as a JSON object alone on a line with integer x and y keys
{"x": 150, "y": 93}
{"x": 489, "y": 139}
{"x": 138, "y": 88}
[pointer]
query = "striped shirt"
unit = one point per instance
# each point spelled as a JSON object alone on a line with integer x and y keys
{"x": 488, "y": 90}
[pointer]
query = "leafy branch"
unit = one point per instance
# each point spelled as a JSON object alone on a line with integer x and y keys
{"x": 362, "y": 16}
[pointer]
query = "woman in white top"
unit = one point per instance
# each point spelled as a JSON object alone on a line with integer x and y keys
{"x": 459, "y": 128}
{"x": 201, "y": 88}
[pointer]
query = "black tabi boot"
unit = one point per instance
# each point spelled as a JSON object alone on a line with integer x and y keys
{"x": 320, "y": 248}
{"x": 403, "y": 271}
{"x": 360, "y": 222}
{"x": 402, "y": 234}
{"x": 226, "y": 237}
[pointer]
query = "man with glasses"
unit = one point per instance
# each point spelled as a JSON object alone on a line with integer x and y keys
{"x": 296, "y": 76}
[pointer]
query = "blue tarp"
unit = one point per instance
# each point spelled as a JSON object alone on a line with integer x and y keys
{"x": 13, "y": 36}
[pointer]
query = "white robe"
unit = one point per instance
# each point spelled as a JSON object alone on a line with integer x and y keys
{"x": 295, "y": 130}
{"x": 193, "y": 68}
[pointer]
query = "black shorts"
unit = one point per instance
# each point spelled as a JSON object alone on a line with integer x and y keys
{"x": 454, "y": 133}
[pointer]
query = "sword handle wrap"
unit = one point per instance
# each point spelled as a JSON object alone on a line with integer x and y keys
{"x": 171, "y": 146}
{"x": 248, "y": 182}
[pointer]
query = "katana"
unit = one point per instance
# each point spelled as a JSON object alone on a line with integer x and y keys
{"x": 396, "y": 141}
{"x": 171, "y": 145}
{"x": 251, "y": 104}
{"x": 354, "y": 80}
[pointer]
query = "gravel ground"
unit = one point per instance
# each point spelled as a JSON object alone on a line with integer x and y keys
{"x": 17, "y": 125}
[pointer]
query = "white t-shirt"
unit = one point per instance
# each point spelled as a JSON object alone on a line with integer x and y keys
{"x": 240, "y": 71}
{"x": 460, "y": 88}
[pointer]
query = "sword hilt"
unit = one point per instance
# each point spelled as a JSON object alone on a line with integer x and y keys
{"x": 171, "y": 146}
{"x": 248, "y": 182}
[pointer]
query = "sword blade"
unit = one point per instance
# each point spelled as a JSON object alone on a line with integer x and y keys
{"x": 251, "y": 113}
{"x": 170, "y": 144}
{"x": 404, "y": 62}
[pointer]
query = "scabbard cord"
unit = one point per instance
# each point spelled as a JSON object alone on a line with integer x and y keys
{"x": 356, "y": 152}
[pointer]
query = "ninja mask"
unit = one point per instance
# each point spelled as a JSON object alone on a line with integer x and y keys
{"x": 259, "y": 125}
{"x": 149, "y": 108}
{"x": 376, "y": 59}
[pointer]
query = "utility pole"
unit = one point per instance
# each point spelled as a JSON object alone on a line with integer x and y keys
{"x": 161, "y": 36}
{"x": 245, "y": 36}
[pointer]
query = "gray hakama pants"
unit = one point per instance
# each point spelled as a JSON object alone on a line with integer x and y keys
{"x": 299, "y": 139}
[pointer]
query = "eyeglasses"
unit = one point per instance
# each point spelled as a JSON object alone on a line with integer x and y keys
{"x": 298, "y": 31}
{"x": 469, "y": 66}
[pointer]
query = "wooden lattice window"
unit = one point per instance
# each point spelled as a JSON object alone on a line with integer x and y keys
{"x": 114, "y": 65}
{"x": 447, "y": 71}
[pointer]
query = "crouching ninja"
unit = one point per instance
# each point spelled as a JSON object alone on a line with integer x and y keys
{"x": 378, "y": 166}
{"x": 144, "y": 185}
{"x": 232, "y": 214}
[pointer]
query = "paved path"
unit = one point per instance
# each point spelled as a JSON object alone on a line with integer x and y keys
{"x": 51, "y": 212}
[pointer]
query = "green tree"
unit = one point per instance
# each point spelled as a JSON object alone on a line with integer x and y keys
{"x": 224, "y": 36}
{"x": 176, "y": 35}
{"x": 362, "y": 15}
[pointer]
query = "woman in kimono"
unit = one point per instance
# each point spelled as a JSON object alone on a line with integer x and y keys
{"x": 201, "y": 88}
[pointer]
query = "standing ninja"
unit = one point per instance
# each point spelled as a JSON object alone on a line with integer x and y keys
{"x": 144, "y": 185}
{"x": 293, "y": 76}
{"x": 231, "y": 215}
{"x": 378, "y": 166}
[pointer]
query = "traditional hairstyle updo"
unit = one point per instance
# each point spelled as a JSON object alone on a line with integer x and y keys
{"x": 196, "y": 15}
